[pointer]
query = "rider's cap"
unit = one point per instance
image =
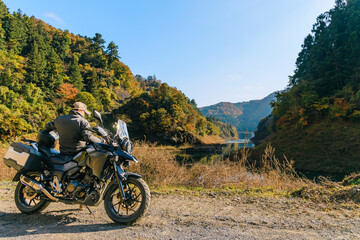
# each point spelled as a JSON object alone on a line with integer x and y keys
{"x": 81, "y": 106}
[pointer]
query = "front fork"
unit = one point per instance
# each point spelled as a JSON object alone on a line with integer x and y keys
{"x": 120, "y": 176}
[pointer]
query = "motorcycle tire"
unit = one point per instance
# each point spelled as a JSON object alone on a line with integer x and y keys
{"x": 28, "y": 201}
{"x": 135, "y": 189}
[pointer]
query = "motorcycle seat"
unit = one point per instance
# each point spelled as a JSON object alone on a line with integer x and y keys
{"x": 61, "y": 159}
{"x": 49, "y": 152}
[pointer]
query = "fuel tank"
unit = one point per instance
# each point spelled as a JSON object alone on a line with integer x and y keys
{"x": 96, "y": 161}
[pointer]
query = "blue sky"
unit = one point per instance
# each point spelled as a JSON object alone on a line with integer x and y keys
{"x": 212, "y": 50}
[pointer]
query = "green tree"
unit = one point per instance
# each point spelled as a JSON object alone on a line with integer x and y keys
{"x": 89, "y": 100}
{"x": 96, "y": 50}
{"x": 2, "y": 36}
{"x": 75, "y": 74}
{"x": 54, "y": 71}
{"x": 36, "y": 67}
{"x": 15, "y": 32}
{"x": 61, "y": 44}
{"x": 112, "y": 52}
{"x": 93, "y": 83}
{"x": 3, "y": 10}
{"x": 105, "y": 98}
{"x": 11, "y": 70}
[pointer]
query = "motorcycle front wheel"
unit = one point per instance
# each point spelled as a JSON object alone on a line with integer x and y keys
{"x": 134, "y": 207}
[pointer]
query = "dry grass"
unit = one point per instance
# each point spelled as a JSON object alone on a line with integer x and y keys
{"x": 210, "y": 139}
{"x": 159, "y": 167}
{"x": 328, "y": 191}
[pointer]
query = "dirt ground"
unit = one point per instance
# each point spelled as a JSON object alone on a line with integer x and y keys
{"x": 177, "y": 216}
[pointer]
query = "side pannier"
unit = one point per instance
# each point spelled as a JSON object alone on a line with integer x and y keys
{"x": 21, "y": 156}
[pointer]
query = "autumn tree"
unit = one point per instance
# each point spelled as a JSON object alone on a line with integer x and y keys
{"x": 68, "y": 92}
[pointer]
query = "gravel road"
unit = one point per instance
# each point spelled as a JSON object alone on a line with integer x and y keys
{"x": 178, "y": 216}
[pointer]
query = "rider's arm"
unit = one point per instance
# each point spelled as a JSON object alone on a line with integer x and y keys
{"x": 86, "y": 133}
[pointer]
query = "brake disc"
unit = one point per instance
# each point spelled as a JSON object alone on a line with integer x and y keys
{"x": 129, "y": 204}
{"x": 29, "y": 193}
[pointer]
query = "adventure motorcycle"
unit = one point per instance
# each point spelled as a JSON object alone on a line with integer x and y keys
{"x": 96, "y": 173}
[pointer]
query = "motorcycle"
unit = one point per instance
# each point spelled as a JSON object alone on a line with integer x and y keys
{"x": 96, "y": 173}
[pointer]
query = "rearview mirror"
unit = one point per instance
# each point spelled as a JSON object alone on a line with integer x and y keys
{"x": 97, "y": 115}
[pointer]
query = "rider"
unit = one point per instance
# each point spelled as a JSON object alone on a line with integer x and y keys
{"x": 73, "y": 130}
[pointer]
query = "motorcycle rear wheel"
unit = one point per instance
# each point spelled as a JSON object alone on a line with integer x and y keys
{"x": 28, "y": 201}
{"x": 130, "y": 211}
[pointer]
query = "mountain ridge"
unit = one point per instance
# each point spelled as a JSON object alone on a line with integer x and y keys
{"x": 243, "y": 115}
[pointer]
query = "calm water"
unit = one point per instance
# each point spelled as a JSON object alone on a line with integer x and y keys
{"x": 214, "y": 152}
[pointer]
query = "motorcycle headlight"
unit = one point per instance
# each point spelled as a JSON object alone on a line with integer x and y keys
{"x": 126, "y": 145}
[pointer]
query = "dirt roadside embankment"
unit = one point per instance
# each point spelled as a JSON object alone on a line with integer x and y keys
{"x": 188, "y": 216}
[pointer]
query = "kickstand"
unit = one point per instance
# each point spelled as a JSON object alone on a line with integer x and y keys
{"x": 91, "y": 212}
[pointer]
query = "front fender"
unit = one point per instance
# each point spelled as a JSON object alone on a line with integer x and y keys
{"x": 124, "y": 175}
{"x": 130, "y": 174}
{"x": 126, "y": 155}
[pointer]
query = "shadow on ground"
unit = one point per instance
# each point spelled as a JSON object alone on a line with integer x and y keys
{"x": 63, "y": 221}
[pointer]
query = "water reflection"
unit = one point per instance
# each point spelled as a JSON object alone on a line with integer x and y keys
{"x": 215, "y": 152}
{"x": 243, "y": 142}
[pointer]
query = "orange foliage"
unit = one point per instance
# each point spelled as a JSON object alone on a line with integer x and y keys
{"x": 340, "y": 107}
{"x": 340, "y": 102}
{"x": 68, "y": 92}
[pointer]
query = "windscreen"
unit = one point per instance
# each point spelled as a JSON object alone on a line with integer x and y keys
{"x": 121, "y": 130}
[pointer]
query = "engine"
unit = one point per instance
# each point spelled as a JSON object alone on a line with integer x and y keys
{"x": 75, "y": 189}
{"x": 81, "y": 187}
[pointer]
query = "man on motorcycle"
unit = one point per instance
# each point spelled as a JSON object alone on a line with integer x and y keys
{"x": 73, "y": 130}
{"x": 97, "y": 174}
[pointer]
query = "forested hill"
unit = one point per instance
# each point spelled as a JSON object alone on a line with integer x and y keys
{"x": 317, "y": 118}
{"x": 243, "y": 115}
{"x": 44, "y": 70}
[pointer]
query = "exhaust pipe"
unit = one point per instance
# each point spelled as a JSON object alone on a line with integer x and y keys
{"x": 36, "y": 186}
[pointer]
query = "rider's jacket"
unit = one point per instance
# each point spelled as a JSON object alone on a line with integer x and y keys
{"x": 73, "y": 131}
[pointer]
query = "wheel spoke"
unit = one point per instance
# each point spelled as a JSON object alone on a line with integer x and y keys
{"x": 131, "y": 189}
{"x": 137, "y": 196}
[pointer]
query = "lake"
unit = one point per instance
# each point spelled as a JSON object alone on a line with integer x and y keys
{"x": 213, "y": 152}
